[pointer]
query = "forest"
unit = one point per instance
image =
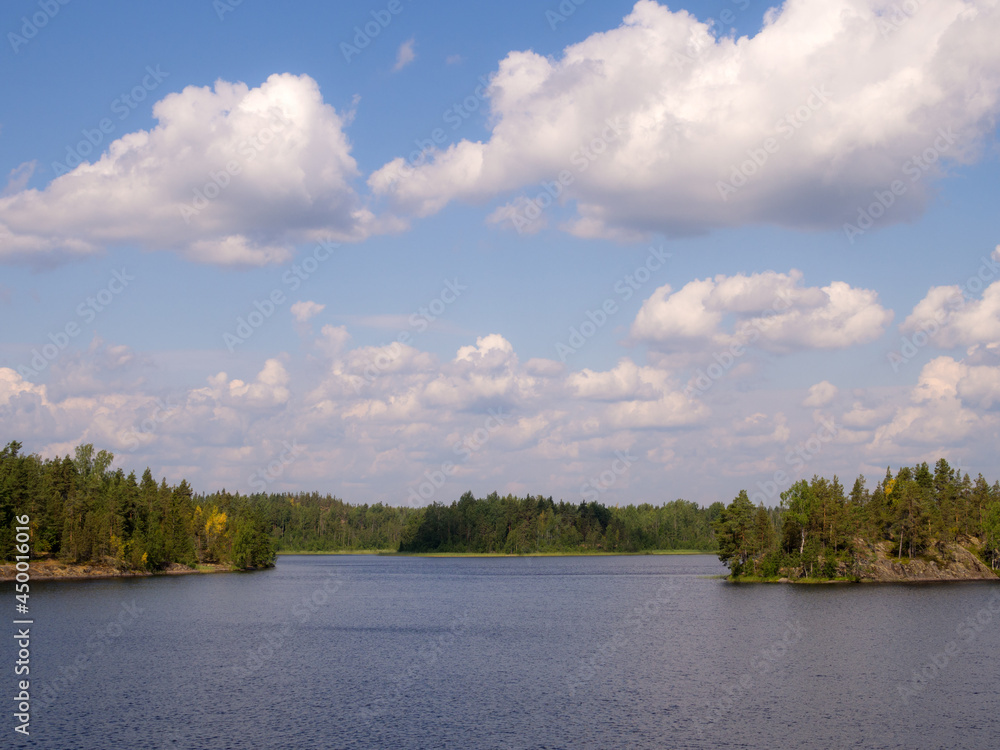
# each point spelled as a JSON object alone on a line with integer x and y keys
{"x": 820, "y": 529}
{"x": 82, "y": 511}
{"x": 491, "y": 525}
{"x": 515, "y": 525}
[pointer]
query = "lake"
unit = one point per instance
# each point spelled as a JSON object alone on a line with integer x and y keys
{"x": 552, "y": 652}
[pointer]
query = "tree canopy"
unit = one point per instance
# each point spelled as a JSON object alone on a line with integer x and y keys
{"x": 82, "y": 510}
{"x": 818, "y": 528}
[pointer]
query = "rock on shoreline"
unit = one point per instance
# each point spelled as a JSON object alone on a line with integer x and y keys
{"x": 942, "y": 562}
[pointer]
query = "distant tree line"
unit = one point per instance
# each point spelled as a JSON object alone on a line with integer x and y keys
{"x": 519, "y": 525}
{"x": 83, "y": 511}
{"x": 820, "y": 528}
{"x": 310, "y": 522}
{"x": 494, "y": 524}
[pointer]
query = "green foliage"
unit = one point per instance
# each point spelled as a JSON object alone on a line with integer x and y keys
{"x": 523, "y": 525}
{"x": 83, "y": 511}
{"x": 822, "y": 530}
{"x": 735, "y": 532}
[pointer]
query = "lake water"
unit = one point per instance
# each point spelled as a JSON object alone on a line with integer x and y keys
{"x": 584, "y": 652}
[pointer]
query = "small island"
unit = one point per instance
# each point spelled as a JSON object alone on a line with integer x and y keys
{"x": 919, "y": 525}
{"x": 81, "y": 519}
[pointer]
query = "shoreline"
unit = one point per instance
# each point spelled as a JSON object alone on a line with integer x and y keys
{"x": 942, "y": 562}
{"x": 863, "y": 582}
{"x": 53, "y": 570}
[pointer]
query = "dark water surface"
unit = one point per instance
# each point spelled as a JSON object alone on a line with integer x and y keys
{"x": 593, "y": 652}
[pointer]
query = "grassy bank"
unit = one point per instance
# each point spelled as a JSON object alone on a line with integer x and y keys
{"x": 337, "y": 552}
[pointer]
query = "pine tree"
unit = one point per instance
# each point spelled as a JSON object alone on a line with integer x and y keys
{"x": 734, "y": 531}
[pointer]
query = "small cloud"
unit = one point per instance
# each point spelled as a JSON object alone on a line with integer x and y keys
{"x": 522, "y": 214}
{"x": 303, "y": 311}
{"x": 18, "y": 178}
{"x": 454, "y": 60}
{"x": 405, "y": 55}
{"x": 332, "y": 340}
{"x": 821, "y": 394}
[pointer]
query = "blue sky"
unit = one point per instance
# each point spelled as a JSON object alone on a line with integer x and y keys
{"x": 713, "y": 164}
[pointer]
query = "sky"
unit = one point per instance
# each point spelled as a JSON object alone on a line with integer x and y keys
{"x": 394, "y": 251}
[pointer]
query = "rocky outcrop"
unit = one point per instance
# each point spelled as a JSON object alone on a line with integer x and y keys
{"x": 940, "y": 562}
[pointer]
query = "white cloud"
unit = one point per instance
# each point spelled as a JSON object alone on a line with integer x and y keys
{"x": 230, "y": 175}
{"x": 19, "y": 177}
{"x": 372, "y": 420}
{"x": 980, "y": 388}
{"x": 515, "y": 215}
{"x": 305, "y": 310}
{"x": 626, "y": 380}
{"x": 866, "y": 417}
{"x": 952, "y": 316}
{"x": 847, "y": 107}
{"x": 405, "y": 55}
{"x": 771, "y": 310}
{"x": 492, "y": 350}
{"x": 936, "y": 415}
{"x": 13, "y": 386}
{"x": 821, "y": 394}
{"x": 269, "y": 388}
{"x": 332, "y": 340}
